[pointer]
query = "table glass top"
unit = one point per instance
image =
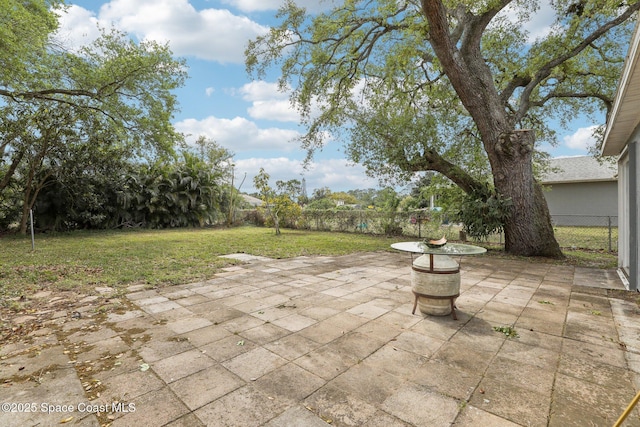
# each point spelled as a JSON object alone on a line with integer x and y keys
{"x": 447, "y": 249}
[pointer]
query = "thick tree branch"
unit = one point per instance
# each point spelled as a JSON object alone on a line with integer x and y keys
{"x": 43, "y": 94}
{"x": 476, "y": 25}
{"x": 545, "y": 71}
{"x": 465, "y": 67}
{"x": 444, "y": 46}
{"x": 49, "y": 95}
{"x": 515, "y": 83}
{"x": 607, "y": 101}
{"x": 17, "y": 158}
{"x": 429, "y": 160}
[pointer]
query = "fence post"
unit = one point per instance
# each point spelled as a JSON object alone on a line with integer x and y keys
{"x": 609, "y": 221}
{"x": 33, "y": 240}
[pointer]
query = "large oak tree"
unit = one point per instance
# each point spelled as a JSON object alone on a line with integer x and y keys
{"x": 447, "y": 85}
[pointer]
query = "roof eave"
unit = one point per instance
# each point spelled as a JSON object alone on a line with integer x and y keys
{"x": 622, "y": 121}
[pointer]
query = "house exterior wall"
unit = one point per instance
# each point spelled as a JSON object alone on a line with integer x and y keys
{"x": 629, "y": 192}
{"x": 623, "y": 208}
{"x": 582, "y": 203}
{"x": 634, "y": 210}
{"x": 622, "y": 139}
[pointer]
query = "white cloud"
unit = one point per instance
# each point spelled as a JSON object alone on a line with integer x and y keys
{"x": 239, "y": 134}
{"x": 262, "y": 5}
{"x": 268, "y": 102}
{"x": 538, "y": 24}
{"x": 209, "y": 91}
{"x": 254, "y": 5}
{"x": 337, "y": 174}
{"x": 273, "y": 110}
{"x": 278, "y": 168}
{"x": 78, "y": 27}
{"x": 260, "y": 90}
{"x": 582, "y": 139}
{"x": 210, "y": 34}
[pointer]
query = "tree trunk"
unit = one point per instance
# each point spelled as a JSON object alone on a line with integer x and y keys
{"x": 32, "y": 189}
{"x": 276, "y": 222}
{"x": 26, "y": 206}
{"x": 273, "y": 214}
{"x": 528, "y": 230}
{"x": 17, "y": 158}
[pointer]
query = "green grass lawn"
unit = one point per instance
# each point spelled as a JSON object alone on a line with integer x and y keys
{"x": 81, "y": 261}
{"x": 582, "y": 238}
{"x": 156, "y": 257}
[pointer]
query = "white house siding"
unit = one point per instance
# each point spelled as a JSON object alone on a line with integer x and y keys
{"x": 623, "y": 208}
{"x": 634, "y": 209}
{"x": 622, "y": 139}
{"x": 628, "y": 253}
{"x": 629, "y": 208}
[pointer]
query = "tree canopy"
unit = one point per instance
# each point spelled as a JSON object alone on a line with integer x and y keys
{"x": 61, "y": 104}
{"x": 277, "y": 203}
{"x": 457, "y": 87}
{"x": 25, "y": 27}
{"x": 128, "y": 83}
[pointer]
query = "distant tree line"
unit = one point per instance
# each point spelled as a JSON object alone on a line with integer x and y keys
{"x": 285, "y": 205}
{"x": 432, "y": 198}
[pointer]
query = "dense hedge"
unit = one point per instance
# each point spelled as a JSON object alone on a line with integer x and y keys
{"x": 186, "y": 193}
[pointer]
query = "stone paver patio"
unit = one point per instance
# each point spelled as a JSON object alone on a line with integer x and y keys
{"x": 313, "y": 341}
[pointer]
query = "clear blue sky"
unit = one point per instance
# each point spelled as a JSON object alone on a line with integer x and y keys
{"x": 250, "y": 118}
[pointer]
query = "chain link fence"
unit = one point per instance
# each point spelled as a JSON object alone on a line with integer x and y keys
{"x": 590, "y": 232}
{"x": 418, "y": 224}
{"x": 572, "y": 231}
{"x": 586, "y": 231}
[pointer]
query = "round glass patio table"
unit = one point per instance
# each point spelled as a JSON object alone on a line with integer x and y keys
{"x": 435, "y": 276}
{"x": 448, "y": 249}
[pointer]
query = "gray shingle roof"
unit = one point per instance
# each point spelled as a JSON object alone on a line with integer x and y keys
{"x": 579, "y": 169}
